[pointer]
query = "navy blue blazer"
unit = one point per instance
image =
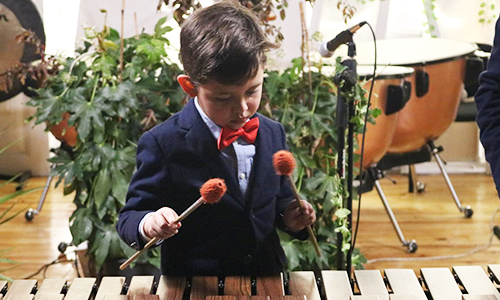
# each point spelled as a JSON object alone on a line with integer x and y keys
{"x": 487, "y": 101}
{"x": 235, "y": 236}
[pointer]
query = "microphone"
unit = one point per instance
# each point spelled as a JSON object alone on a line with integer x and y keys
{"x": 326, "y": 49}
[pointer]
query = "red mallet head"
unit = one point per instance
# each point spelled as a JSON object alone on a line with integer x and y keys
{"x": 213, "y": 190}
{"x": 284, "y": 162}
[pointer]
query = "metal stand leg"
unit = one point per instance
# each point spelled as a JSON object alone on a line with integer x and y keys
{"x": 31, "y": 213}
{"x": 410, "y": 245}
{"x": 413, "y": 182}
{"x": 435, "y": 152}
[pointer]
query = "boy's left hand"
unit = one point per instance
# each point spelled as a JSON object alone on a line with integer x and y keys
{"x": 297, "y": 219}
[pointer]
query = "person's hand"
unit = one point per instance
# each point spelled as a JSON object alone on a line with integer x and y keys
{"x": 297, "y": 219}
{"x": 161, "y": 224}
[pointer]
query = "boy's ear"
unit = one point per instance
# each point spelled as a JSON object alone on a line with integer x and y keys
{"x": 187, "y": 85}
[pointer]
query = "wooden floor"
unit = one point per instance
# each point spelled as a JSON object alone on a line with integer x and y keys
{"x": 444, "y": 236}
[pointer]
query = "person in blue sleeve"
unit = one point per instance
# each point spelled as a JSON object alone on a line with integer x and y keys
{"x": 487, "y": 101}
{"x": 218, "y": 134}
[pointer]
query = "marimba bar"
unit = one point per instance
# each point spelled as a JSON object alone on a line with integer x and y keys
{"x": 459, "y": 283}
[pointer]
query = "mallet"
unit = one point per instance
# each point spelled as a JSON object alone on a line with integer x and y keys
{"x": 284, "y": 164}
{"x": 211, "y": 192}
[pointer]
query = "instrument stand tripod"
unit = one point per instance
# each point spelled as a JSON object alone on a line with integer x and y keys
{"x": 374, "y": 174}
{"x": 346, "y": 81}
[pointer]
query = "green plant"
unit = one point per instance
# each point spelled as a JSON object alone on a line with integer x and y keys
{"x": 305, "y": 103}
{"x": 111, "y": 102}
{"x": 4, "y": 216}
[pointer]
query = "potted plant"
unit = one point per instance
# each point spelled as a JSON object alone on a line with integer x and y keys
{"x": 113, "y": 91}
{"x": 305, "y": 103}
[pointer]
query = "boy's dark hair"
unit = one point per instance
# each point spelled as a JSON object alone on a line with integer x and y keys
{"x": 223, "y": 42}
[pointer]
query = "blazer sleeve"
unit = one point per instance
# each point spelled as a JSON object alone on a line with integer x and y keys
{"x": 487, "y": 101}
{"x": 285, "y": 198}
{"x": 146, "y": 193}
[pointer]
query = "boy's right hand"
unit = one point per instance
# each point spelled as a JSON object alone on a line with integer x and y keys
{"x": 161, "y": 224}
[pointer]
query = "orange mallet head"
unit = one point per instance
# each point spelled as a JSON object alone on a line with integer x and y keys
{"x": 213, "y": 190}
{"x": 284, "y": 162}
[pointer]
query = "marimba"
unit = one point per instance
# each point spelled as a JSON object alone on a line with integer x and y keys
{"x": 459, "y": 283}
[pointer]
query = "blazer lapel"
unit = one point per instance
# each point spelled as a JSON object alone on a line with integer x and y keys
{"x": 203, "y": 142}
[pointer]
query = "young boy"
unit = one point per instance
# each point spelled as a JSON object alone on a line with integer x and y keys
{"x": 222, "y": 50}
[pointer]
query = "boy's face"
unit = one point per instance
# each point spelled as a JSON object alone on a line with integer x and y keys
{"x": 230, "y": 105}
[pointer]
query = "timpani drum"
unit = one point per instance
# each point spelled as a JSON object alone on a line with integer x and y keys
{"x": 391, "y": 90}
{"x": 439, "y": 73}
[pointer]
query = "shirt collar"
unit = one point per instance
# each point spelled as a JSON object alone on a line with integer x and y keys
{"x": 214, "y": 128}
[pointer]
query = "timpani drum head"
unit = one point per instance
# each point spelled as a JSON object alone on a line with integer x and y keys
{"x": 412, "y": 51}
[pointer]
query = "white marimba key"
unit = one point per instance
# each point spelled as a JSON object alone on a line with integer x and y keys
{"x": 110, "y": 286}
{"x": 370, "y": 282}
{"x": 19, "y": 289}
{"x": 337, "y": 285}
{"x": 358, "y": 297}
{"x": 404, "y": 281}
{"x": 304, "y": 283}
{"x": 51, "y": 285}
{"x": 48, "y": 296}
{"x": 479, "y": 297}
{"x": 80, "y": 289}
{"x": 140, "y": 285}
{"x": 403, "y": 297}
{"x": 441, "y": 283}
{"x": 475, "y": 281}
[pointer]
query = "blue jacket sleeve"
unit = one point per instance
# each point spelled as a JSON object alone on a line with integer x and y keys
{"x": 487, "y": 101}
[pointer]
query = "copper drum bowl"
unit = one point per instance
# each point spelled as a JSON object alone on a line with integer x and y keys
{"x": 379, "y": 136}
{"x": 440, "y": 62}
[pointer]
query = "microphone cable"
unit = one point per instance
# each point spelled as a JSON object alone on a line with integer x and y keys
{"x": 353, "y": 243}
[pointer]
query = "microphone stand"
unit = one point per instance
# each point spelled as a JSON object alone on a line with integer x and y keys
{"x": 345, "y": 111}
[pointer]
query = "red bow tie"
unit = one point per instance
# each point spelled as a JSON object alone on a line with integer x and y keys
{"x": 248, "y": 133}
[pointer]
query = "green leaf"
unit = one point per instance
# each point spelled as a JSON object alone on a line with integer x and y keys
{"x": 342, "y": 213}
{"x": 101, "y": 244}
{"x": 81, "y": 225}
{"x": 102, "y": 186}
